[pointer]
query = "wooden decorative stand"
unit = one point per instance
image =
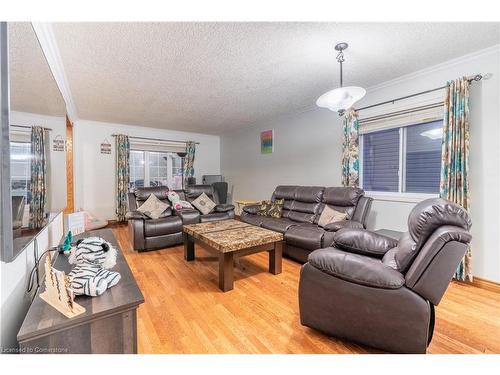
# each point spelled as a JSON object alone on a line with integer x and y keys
{"x": 58, "y": 292}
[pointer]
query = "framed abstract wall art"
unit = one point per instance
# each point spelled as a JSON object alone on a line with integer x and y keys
{"x": 267, "y": 142}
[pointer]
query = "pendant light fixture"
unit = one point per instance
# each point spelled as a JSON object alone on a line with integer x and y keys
{"x": 341, "y": 99}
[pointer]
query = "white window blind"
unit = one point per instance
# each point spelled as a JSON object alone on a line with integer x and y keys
{"x": 424, "y": 108}
{"x": 158, "y": 146}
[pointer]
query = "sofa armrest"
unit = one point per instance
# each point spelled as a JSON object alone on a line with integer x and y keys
{"x": 188, "y": 215}
{"x": 356, "y": 268}
{"x": 251, "y": 209}
{"x": 224, "y": 207}
{"x": 363, "y": 242}
{"x": 338, "y": 225}
{"x": 135, "y": 215}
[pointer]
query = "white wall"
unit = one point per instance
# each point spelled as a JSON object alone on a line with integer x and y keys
{"x": 94, "y": 173}
{"x": 14, "y": 279}
{"x": 308, "y": 152}
{"x": 57, "y": 162}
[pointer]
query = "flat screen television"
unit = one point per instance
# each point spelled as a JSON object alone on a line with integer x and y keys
{"x": 29, "y": 98}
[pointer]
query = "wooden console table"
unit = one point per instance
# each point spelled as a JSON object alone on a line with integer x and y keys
{"x": 109, "y": 324}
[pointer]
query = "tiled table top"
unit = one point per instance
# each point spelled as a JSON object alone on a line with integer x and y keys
{"x": 231, "y": 235}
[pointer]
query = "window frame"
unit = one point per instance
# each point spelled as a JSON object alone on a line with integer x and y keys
{"x": 400, "y": 195}
{"x": 27, "y": 177}
{"x": 146, "y": 176}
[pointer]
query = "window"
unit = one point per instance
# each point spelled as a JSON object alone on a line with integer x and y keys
{"x": 405, "y": 159}
{"x": 151, "y": 168}
{"x": 20, "y": 169}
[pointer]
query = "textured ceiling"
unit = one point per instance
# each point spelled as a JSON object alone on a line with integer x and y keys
{"x": 32, "y": 86}
{"x": 212, "y": 77}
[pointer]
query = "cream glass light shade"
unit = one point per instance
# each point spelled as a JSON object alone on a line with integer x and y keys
{"x": 341, "y": 99}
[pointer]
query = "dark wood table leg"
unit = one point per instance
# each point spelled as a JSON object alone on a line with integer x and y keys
{"x": 275, "y": 257}
{"x": 188, "y": 247}
{"x": 226, "y": 271}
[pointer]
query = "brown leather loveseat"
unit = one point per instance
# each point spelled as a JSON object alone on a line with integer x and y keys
{"x": 381, "y": 292}
{"x": 151, "y": 234}
{"x": 301, "y": 211}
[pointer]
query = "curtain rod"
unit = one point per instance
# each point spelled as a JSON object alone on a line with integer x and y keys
{"x": 27, "y": 127}
{"x": 158, "y": 139}
{"x": 476, "y": 77}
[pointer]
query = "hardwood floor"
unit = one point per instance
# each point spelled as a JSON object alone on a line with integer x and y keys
{"x": 185, "y": 312}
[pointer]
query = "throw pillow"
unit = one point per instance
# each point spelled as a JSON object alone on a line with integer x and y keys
{"x": 276, "y": 208}
{"x": 177, "y": 203}
{"x": 204, "y": 204}
{"x": 329, "y": 215}
{"x": 264, "y": 208}
{"x": 153, "y": 207}
{"x": 272, "y": 209}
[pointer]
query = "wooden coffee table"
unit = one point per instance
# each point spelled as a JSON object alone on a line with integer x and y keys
{"x": 230, "y": 239}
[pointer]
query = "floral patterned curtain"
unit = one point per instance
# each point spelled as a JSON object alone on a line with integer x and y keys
{"x": 350, "y": 150}
{"x": 454, "y": 184}
{"x": 38, "y": 184}
{"x": 122, "y": 175}
{"x": 189, "y": 161}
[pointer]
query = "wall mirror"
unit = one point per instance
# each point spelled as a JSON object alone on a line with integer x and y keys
{"x": 33, "y": 123}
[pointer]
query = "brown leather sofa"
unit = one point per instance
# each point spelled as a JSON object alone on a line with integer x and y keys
{"x": 147, "y": 233}
{"x": 380, "y": 292}
{"x": 221, "y": 211}
{"x": 151, "y": 234}
{"x": 301, "y": 211}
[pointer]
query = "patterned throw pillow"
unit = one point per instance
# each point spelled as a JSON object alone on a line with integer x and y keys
{"x": 153, "y": 207}
{"x": 264, "y": 208}
{"x": 272, "y": 209}
{"x": 204, "y": 204}
{"x": 329, "y": 215}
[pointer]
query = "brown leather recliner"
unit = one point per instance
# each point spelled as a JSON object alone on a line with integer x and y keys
{"x": 191, "y": 216}
{"x": 151, "y": 234}
{"x": 301, "y": 211}
{"x": 380, "y": 292}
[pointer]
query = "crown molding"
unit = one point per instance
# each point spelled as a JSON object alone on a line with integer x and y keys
{"x": 441, "y": 66}
{"x": 47, "y": 40}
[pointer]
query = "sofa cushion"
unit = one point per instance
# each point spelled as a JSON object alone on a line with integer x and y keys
{"x": 328, "y": 239}
{"x": 301, "y": 217}
{"x": 204, "y": 204}
{"x": 364, "y": 242}
{"x": 141, "y": 194}
{"x": 153, "y": 207}
{"x": 329, "y": 215}
{"x": 252, "y": 219}
{"x": 309, "y": 194}
{"x": 215, "y": 216}
{"x": 432, "y": 213}
{"x": 356, "y": 268}
{"x": 251, "y": 209}
{"x": 194, "y": 191}
{"x": 162, "y": 226}
{"x": 342, "y": 199}
{"x": 277, "y": 224}
{"x": 225, "y": 207}
{"x": 306, "y": 236}
{"x": 337, "y": 225}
